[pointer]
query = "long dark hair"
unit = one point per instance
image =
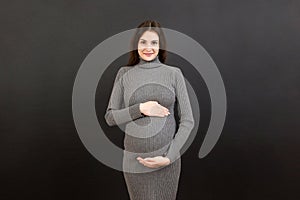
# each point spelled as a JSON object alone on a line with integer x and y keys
{"x": 148, "y": 25}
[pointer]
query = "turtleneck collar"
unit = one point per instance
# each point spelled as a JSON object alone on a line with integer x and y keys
{"x": 149, "y": 64}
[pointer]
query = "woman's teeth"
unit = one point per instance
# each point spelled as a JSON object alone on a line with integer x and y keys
{"x": 148, "y": 54}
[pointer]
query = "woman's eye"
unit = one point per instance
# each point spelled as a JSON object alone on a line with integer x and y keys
{"x": 153, "y": 43}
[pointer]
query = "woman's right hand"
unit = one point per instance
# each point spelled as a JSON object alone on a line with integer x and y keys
{"x": 153, "y": 108}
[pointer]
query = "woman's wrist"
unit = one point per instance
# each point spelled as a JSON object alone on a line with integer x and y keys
{"x": 141, "y": 108}
{"x": 168, "y": 160}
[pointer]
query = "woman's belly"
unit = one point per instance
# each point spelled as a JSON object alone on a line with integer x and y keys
{"x": 149, "y": 134}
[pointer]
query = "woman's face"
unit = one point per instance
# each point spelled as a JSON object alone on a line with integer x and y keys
{"x": 148, "y": 45}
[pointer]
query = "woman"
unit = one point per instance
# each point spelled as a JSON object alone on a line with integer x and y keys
{"x": 143, "y": 98}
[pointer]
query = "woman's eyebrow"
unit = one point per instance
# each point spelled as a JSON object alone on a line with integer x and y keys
{"x": 146, "y": 40}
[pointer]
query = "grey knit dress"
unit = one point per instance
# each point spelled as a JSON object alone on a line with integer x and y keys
{"x": 148, "y": 136}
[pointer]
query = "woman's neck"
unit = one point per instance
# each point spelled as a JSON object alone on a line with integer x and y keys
{"x": 142, "y": 61}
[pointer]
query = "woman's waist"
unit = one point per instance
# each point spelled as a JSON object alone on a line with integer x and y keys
{"x": 148, "y": 144}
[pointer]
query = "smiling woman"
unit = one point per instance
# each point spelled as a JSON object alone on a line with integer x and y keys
{"x": 148, "y": 39}
{"x": 143, "y": 97}
{"x": 148, "y": 46}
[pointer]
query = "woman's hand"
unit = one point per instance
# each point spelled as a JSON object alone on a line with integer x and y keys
{"x": 153, "y": 108}
{"x": 154, "y": 162}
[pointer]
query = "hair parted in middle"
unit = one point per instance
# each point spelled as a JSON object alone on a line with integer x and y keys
{"x": 148, "y": 25}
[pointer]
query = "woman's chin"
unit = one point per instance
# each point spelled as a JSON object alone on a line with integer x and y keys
{"x": 148, "y": 58}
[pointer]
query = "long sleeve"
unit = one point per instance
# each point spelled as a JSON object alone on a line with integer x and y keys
{"x": 116, "y": 113}
{"x": 185, "y": 115}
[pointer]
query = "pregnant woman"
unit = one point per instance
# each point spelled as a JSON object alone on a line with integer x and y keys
{"x": 143, "y": 98}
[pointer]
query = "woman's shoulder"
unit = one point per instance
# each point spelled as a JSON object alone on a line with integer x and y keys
{"x": 123, "y": 70}
{"x": 172, "y": 68}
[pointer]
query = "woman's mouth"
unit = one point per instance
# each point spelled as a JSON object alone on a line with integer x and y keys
{"x": 148, "y": 54}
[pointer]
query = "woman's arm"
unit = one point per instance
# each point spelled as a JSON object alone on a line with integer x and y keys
{"x": 186, "y": 118}
{"x": 116, "y": 112}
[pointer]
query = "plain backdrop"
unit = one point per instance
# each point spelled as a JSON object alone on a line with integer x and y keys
{"x": 255, "y": 45}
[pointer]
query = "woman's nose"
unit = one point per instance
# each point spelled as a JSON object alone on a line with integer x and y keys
{"x": 148, "y": 48}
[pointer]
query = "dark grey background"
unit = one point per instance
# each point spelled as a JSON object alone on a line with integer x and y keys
{"x": 255, "y": 45}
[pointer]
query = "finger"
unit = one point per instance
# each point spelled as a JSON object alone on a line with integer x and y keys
{"x": 166, "y": 111}
{"x": 149, "y": 160}
{"x": 154, "y": 166}
{"x": 149, "y": 165}
{"x": 146, "y": 164}
{"x": 162, "y": 114}
{"x": 164, "y": 108}
{"x": 139, "y": 158}
{"x": 142, "y": 162}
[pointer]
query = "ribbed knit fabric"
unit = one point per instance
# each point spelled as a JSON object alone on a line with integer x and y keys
{"x": 148, "y": 136}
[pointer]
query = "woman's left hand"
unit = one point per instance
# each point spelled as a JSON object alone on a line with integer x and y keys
{"x": 154, "y": 162}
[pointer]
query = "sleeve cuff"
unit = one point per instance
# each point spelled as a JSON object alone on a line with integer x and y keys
{"x": 135, "y": 111}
